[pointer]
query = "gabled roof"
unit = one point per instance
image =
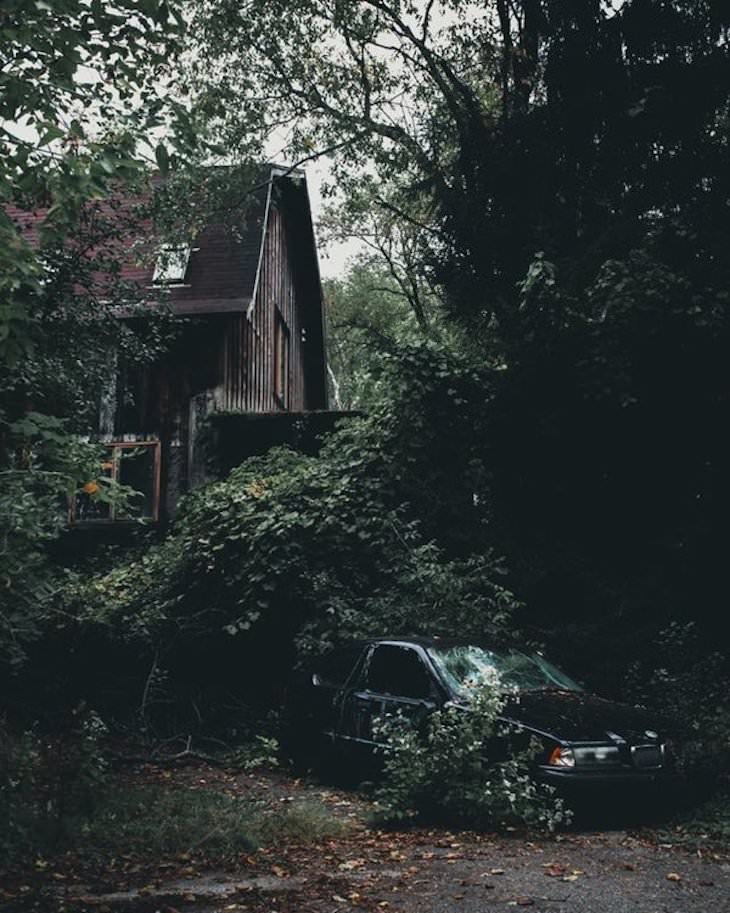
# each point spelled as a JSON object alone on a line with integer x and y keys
{"x": 221, "y": 271}
{"x": 223, "y": 266}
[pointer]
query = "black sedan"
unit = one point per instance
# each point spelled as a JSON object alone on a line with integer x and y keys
{"x": 585, "y": 739}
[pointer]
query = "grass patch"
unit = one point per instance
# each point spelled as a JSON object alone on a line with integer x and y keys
{"x": 160, "y": 822}
{"x": 301, "y": 822}
{"x": 154, "y": 821}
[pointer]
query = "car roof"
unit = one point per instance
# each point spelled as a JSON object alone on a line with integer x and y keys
{"x": 423, "y": 641}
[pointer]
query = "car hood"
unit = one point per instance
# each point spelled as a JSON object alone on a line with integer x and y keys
{"x": 574, "y": 716}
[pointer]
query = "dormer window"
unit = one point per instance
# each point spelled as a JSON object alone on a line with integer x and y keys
{"x": 172, "y": 264}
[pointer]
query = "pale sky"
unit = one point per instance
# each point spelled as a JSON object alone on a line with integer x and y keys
{"x": 334, "y": 257}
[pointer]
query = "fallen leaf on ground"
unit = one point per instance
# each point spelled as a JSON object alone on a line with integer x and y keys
{"x": 673, "y": 876}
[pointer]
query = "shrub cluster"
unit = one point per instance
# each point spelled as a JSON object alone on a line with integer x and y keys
{"x": 462, "y": 767}
{"x": 688, "y": 682}
{"x": 380, "y": 532}
{"x": 48, "y": 779}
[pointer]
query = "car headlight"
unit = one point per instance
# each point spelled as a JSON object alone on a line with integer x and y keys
{"x": 584, "y": 755}
{"x": 562, "y": 757}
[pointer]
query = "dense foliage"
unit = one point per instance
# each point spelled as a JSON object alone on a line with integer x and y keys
{"x": 456, "y": 768}
{"x": 374, "y": 311}
{"x": 557, "y": 170}
{"x": 47, "y": 778}
{"x": 548, "y": 175}
{"x": 83, "y": 94}
{"x": 367, "y": 319}
{"x": 53, "y": 394}
{"x": 82, "y": 86}
{"x": 366, "y": 537}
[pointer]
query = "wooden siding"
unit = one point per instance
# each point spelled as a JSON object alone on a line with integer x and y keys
{"x": 248, "y": 357}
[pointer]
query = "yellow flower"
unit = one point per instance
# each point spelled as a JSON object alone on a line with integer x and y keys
{"x": 90, "y": 488}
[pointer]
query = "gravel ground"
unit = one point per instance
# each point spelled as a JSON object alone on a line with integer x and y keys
{"x": 613, "y": 872}
{"x": 413, "y": 871}
{"x": 427, "y": 873}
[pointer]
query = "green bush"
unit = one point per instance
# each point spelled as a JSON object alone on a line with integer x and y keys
{"x": 690, "y": 684}
{"x": 444, "y": 772}
{"x": 20, "y": 761}
{"x": 47, "y": 779}
{"x": 379, "y": 533}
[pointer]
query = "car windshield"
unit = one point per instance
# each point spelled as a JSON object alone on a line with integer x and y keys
{"x": 466, "y": 667}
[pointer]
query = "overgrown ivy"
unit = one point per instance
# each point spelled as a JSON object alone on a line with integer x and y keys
{"x": 379, "y": 533}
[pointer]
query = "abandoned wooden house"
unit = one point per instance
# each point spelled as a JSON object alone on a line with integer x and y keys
{"x": 247, "y": 368}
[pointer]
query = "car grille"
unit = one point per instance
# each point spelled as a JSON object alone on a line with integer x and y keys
{"x": 646, "y": 756}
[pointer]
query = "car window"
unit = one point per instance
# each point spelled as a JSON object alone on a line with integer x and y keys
{"x": 398, "y": 671}
{"x": 335, "y": 667}
{"x": 467, "y": 666}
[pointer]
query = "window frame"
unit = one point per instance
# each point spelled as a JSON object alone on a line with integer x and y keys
{"x": 282, "y": 359}
{"x": 114, "y": 447}
{"x": 420, "y": 660}
{"x": 169, "y": 256}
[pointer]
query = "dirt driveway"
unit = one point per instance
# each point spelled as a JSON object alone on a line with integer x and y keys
{"x": 415, "y": 871}
{"x": 422, "y": 872}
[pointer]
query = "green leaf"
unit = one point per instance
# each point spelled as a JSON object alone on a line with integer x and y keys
{"x": 50, "y": 133}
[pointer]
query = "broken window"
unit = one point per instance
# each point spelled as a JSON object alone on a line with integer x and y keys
{"x": 172, "y": 264}
{"x": 135, "y": 464}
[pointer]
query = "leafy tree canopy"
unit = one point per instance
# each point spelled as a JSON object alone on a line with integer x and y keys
{"x": 503, "y": 129}
{"x": 82, "y": 105}
{"x": 82, "y": 85}
{"x": 559, "y": 167}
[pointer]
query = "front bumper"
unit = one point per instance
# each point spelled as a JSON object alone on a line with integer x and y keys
{"x": 570, "y": 779}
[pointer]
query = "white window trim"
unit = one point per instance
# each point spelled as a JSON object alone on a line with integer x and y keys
{"x": 171, "y": 265}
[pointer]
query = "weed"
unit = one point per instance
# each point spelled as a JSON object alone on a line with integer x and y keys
{"x": 158, "y": 822}
{"x": 300, "y": 821}
{"x": 152, "y": 820}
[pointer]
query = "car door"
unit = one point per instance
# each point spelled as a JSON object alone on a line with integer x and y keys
{"x": 395, "y": 679}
